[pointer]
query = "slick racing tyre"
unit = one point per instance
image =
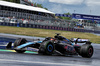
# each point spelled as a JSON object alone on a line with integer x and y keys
{"x": 86, "y": 50}
{"x": 18, "y": 42}
{"x": 46, "y": 48}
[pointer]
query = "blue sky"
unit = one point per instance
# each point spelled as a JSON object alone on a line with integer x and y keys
{"x": 91, "y": 7}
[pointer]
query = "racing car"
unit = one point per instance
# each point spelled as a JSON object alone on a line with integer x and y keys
{"x": 52, "y": 45}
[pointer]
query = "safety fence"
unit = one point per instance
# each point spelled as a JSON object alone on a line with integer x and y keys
{"x": 47, "y": 27}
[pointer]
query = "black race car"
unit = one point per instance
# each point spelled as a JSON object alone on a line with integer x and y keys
{"x": 57, "y": 45}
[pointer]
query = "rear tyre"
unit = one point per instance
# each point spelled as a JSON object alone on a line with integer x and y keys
{"x": 18, "y": 42}
{"x": 86, "y": 50}
{"x": 46, "y": 48}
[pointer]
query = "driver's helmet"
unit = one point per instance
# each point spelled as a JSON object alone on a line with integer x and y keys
{"x": 48, "y": 38}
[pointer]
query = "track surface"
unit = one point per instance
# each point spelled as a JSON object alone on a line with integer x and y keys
{"x": 29, "y": 59}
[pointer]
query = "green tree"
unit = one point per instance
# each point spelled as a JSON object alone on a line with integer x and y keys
{"x": 46, "y": 8}
{"x": 39, "y": 5}
{"x": 35, "y": 4}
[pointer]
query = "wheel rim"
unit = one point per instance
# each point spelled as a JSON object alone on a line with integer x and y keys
{"x": 50, "y": 48}
{"x": 90, "y": 51}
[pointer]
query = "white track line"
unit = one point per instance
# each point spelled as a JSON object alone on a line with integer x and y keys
{"x": 36, "y": 62}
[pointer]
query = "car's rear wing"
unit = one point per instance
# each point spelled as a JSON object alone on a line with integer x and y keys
{"x": 78, "y": 40}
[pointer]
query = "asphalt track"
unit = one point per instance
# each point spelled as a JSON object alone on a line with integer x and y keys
{"x": 11, "y": 58}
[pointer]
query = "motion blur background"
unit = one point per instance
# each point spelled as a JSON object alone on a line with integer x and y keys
{"x": 26, "y": 13}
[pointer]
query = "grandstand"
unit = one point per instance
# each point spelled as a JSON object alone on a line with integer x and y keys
{"x": 20, "y": 11}
{"x": 13, "y": 14}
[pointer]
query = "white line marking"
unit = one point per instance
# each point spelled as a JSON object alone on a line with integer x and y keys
{"x": 36, "y": 62}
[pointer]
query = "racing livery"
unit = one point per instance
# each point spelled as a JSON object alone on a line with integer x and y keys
{"x": 55, "y": 45}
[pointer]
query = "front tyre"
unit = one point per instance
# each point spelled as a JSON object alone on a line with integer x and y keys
{"x": 18, "y": 42}
{"x": 46, "y": 48}
{"x": 86, "y": 50}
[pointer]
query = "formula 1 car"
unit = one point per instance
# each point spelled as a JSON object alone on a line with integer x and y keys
{"x": 58, "y": 44}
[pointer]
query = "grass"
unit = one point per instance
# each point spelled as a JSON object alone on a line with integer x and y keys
{"x": 48, "y": 33}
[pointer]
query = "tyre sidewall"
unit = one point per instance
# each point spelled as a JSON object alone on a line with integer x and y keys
{"x": 18, "y": 42}
{"x": 47, "y": 48}
{"x": 85, "y": 51}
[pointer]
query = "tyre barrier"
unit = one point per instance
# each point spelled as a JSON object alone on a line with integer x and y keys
{"x": 47, "y": 27}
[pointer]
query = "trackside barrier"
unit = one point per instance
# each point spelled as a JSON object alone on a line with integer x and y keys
{"x": 47, "y": 27}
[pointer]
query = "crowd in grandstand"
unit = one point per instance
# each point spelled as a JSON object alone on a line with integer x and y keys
{"x": 15, "y": 14}
{"x": 56, "y": 22}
